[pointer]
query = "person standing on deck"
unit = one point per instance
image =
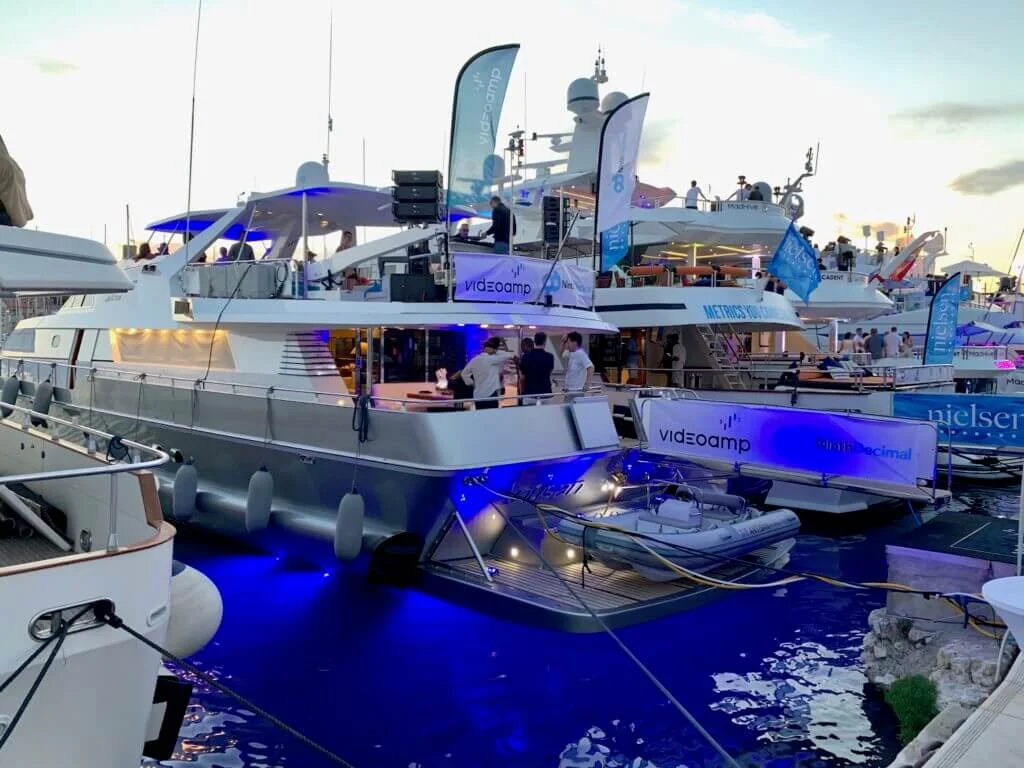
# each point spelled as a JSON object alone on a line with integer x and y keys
{"x": 536, "y": 366}
{"x": 892, "y": 343}
{"x": 579, "y": 370}
{"x": 875, "y": 344}
{"x": 503, "y": 225}
{"x": 483, "y": 373}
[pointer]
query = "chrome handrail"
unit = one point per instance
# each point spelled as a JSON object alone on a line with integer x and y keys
{"x": 264, "y": 390}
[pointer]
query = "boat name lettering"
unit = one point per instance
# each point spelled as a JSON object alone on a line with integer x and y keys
{"x": 689, "y": 437}
{"x": 534, "y": 492}
{"x": 740, "y": 312}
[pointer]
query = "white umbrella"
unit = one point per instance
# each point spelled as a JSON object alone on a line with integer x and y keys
{"x": 974, "y": 268}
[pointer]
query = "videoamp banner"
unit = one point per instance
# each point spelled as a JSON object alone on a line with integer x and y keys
{"x": 520, "y": 280}
{"x": 886, "y": 450}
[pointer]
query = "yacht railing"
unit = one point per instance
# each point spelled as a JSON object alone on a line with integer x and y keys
{"x": 764, "y": 377}
{"x": 45, "y": 422}
{"x": 47, "y": 368}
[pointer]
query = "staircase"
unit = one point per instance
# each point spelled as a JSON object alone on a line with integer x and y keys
{"x": 718, "y": 351}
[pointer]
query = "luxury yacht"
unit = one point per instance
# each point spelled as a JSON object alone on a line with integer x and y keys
{"x": 305, "y": 407}
{"x": 82, "y": 540}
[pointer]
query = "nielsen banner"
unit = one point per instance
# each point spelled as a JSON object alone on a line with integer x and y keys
{"x": 853, "y": 446}
{"x": 989, "y": 421}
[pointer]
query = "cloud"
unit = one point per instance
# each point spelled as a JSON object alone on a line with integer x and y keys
{"x": 766, "y": 30}
{"x": 990, "y": 181}
{"x": 954, "y": 116}
{"x": 657, "y": 144}
{"x": 55, "y": 66}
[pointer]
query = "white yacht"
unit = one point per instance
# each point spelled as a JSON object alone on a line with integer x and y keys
{"x": 82, "y": 537}
{"x": 300, "y": 403}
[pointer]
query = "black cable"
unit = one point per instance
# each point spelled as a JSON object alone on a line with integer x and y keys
{"x": 104, "y": 612}
{"x": 583, "y": 522}
{"x": 361, "y": 426}
{"x": 57, "y": 638}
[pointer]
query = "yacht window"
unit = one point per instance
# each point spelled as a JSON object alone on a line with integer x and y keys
{"x": 184, "y": 347}
{"x": 21, "y": 340}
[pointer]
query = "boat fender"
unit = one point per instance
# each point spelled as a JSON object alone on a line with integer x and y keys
{"x": 183, "y": 493}
{"x": 348, "y": 529}
{"x": 9, "y": 395}
{"x": 258, "y": 500}
{"x": 196, "y": 611}
{"x": 41, "y": 403}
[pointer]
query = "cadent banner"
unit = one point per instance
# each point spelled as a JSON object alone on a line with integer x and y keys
{"x": 988, "y": 421}
{"x": 521, "y": 280}
{"x": 793, "y": 439}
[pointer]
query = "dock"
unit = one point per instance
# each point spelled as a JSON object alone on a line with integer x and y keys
{"x": 991, "y": 736}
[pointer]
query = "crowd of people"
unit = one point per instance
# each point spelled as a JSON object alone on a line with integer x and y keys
{"x": 481, "y": 378}
{"x": 878, "y": 345}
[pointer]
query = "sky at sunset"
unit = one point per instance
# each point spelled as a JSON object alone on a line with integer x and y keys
{"x": 917, "y": 106}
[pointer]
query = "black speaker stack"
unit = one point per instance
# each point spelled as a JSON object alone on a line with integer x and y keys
{"x": 417, "y": 196}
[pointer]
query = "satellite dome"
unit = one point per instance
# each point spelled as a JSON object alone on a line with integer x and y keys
{"x": 612, "y": 100}
{"x": 582, "y": 96}
{"x": 310, "y": 174}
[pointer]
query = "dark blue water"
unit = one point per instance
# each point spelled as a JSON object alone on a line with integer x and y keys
{"x": 394, "y": 677}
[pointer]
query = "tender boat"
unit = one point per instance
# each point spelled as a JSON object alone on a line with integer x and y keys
{"x": 676, "y": 536}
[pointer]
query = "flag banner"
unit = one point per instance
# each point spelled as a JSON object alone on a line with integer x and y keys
{"x": 616, "y": 176}
{"x": 479, "y": 97}
{"x": 943, "y": 314}
{"x": 796, "y": 265}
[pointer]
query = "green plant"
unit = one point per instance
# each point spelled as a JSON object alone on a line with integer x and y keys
{"x": 914, "y": 699}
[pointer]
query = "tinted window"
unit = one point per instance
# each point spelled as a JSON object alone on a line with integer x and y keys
{"x": 21, "y": 340}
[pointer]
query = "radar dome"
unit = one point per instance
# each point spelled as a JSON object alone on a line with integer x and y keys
{"x": 612, "y": 100}
{"x": 311, "y": 174}
{"x": 582, "y": 96}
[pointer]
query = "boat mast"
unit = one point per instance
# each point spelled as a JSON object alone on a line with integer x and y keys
{"x": 192, "y": 129}
{"x": 330, "y": 85}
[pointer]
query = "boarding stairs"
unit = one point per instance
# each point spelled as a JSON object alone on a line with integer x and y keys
{"x": 718, "y": 351}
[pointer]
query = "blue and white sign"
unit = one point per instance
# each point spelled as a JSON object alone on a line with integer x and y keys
{"x": 479, "y": 97}
{"x": 989, "y": 421}
{"x": 521, "y": 280}
{"x": 795, "y": 264}
{"x": 614, "y": 245}
{"x": 943, "y": 315}
{"x": 616, "y": 175}
{"x": 892, "y": 451}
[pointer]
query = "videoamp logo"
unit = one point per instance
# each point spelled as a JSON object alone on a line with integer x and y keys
{"x": 724, "y": 442}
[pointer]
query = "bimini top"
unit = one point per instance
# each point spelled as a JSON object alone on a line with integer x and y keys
{"x": 330, "y": 207}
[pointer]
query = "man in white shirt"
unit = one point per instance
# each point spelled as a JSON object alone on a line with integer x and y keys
{"x": 892, "y": 343}
{"x": 483, "y": 373}
{"x": 579, "y": 370}
{"x": 693, "y": 194}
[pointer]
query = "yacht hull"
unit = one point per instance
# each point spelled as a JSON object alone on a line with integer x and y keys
{"x": 412, "y": 470}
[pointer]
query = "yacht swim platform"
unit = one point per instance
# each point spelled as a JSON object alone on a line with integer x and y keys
{"x": 534, "y": 594}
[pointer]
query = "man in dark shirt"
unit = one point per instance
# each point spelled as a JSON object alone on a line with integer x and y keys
{"x": 875, "y": 344}
{"x": 240, "y": 251}
{"x": 536, "y": 365}
{"x": 503, "y": 225}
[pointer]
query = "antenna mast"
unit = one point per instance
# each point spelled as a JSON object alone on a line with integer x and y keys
{"x": 600, "y": 73}
{"x": 330, "y": 87}
{"x": 192, "y": 129}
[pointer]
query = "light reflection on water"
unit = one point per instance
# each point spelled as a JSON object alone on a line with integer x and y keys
{"x": 394, "y": 678}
